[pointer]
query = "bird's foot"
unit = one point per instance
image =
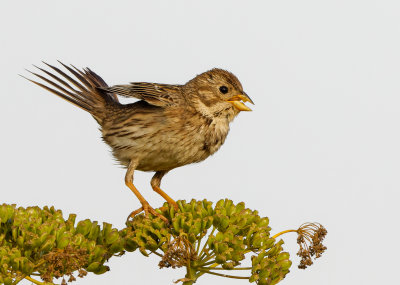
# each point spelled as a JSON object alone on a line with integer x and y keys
{"x": 146, "y": 208}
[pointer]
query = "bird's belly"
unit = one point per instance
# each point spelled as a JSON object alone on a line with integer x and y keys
{"x": 167, "y": 148}
{"x": 173, "y": 153}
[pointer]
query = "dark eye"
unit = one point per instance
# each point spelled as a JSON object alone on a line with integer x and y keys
{"x": 223, "y": 89}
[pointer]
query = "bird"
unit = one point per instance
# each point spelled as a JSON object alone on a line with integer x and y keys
{"x": 169, "y": 126}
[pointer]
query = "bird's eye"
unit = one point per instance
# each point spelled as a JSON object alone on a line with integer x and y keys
{"x": 223, "y": 89}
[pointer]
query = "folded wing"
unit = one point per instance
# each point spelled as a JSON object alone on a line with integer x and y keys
{"x": 161, "y": 95}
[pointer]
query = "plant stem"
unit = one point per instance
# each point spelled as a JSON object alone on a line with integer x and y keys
{"x": 223, "y": 275}
{"x": 189, "y": 269}
{"x": 284, "y": 232}
{"x": 190, "y": 276}
{"x": 205, "y": 245}
{"x": 220, "y": 268}
{"x": 203, "y": 272}
{"x": 34, "y": 281}
{"x": 156, "y": 253}
{"x": 40, "y": 263}
{"x": 198, "y": 243}
{"x": 207, "y": 258}
{"x": 208, "y": 263}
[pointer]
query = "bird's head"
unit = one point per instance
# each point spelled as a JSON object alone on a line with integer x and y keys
{"x": 216, "y": 93}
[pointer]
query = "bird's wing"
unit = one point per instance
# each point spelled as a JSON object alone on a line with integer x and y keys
{"x": 162, "y": 95}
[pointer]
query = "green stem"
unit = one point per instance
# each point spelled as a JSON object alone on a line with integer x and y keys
{"x": 203, "y": 261}
{"x": 203, "y": 272}
{"x": 205, "y": 245}
{"x": 208, "y": 263}
{"x": 199, "y": 243}
{"x": 220, "y": 268}
{"x": 156, "y": 253}
{"x": 189, "y": 270}
{"x": 223, "y": 275}
{"x": 249, "y": 250}
{"x": 40, "y": 263}
{"x": 190, "y": 276}
{"x": 34, "y": 281}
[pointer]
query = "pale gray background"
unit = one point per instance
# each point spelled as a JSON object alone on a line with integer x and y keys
{"x": 321, "y": 145}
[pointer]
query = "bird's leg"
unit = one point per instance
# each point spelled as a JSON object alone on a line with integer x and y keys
{"x": 145, "y": 205}
{"x": 155, "y": 184}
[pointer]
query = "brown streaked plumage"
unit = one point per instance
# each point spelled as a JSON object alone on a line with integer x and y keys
{"x": 171, "y": 125}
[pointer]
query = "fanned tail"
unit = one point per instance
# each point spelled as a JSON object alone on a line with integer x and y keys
{"x": 83, "y": 89}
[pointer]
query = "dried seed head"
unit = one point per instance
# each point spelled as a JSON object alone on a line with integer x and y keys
{"x": 310, "y": 240}
{"x": 63, "y": 262}
{"x": 178, "y": 253}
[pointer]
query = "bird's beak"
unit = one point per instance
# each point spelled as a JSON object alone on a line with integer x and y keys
{"x": 238, "y": 102}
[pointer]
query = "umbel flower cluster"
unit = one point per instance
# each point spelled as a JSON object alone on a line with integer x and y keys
{"x": 39, "y": 244}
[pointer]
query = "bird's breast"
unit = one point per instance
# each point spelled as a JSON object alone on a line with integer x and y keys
{"x": 214, "y": 135}
{"x": 168, "y": 144}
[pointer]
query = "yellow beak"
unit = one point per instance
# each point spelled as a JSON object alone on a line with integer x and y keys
{"x": 236, "y": 101}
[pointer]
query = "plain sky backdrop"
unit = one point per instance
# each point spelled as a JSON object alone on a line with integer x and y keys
{"x": 322, "y": 143}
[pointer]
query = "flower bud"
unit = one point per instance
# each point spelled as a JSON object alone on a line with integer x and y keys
{"x": 93, "y": 266}
{"x": 84, "y": 227}
{"x": 112, "y": 236}
{"x": 220, "y": 259}
{"x": 102, "y": 269}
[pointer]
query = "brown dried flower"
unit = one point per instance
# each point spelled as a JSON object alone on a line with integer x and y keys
{"x": 180, "y": 251}
{"x": 63, "y": 262}
{"x": 310, "y": 240}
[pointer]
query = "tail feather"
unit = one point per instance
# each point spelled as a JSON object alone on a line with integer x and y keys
{"x": 84, "y": 91}
{"x": 76, "y": 74}
{"x": 79, "y": 103}
{"x": 54, "y": 77}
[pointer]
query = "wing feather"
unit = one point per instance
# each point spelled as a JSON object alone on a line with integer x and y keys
{"x": 156, "y": 94}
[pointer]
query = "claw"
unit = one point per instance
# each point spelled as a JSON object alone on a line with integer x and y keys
{"x": 146, "y": 208}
